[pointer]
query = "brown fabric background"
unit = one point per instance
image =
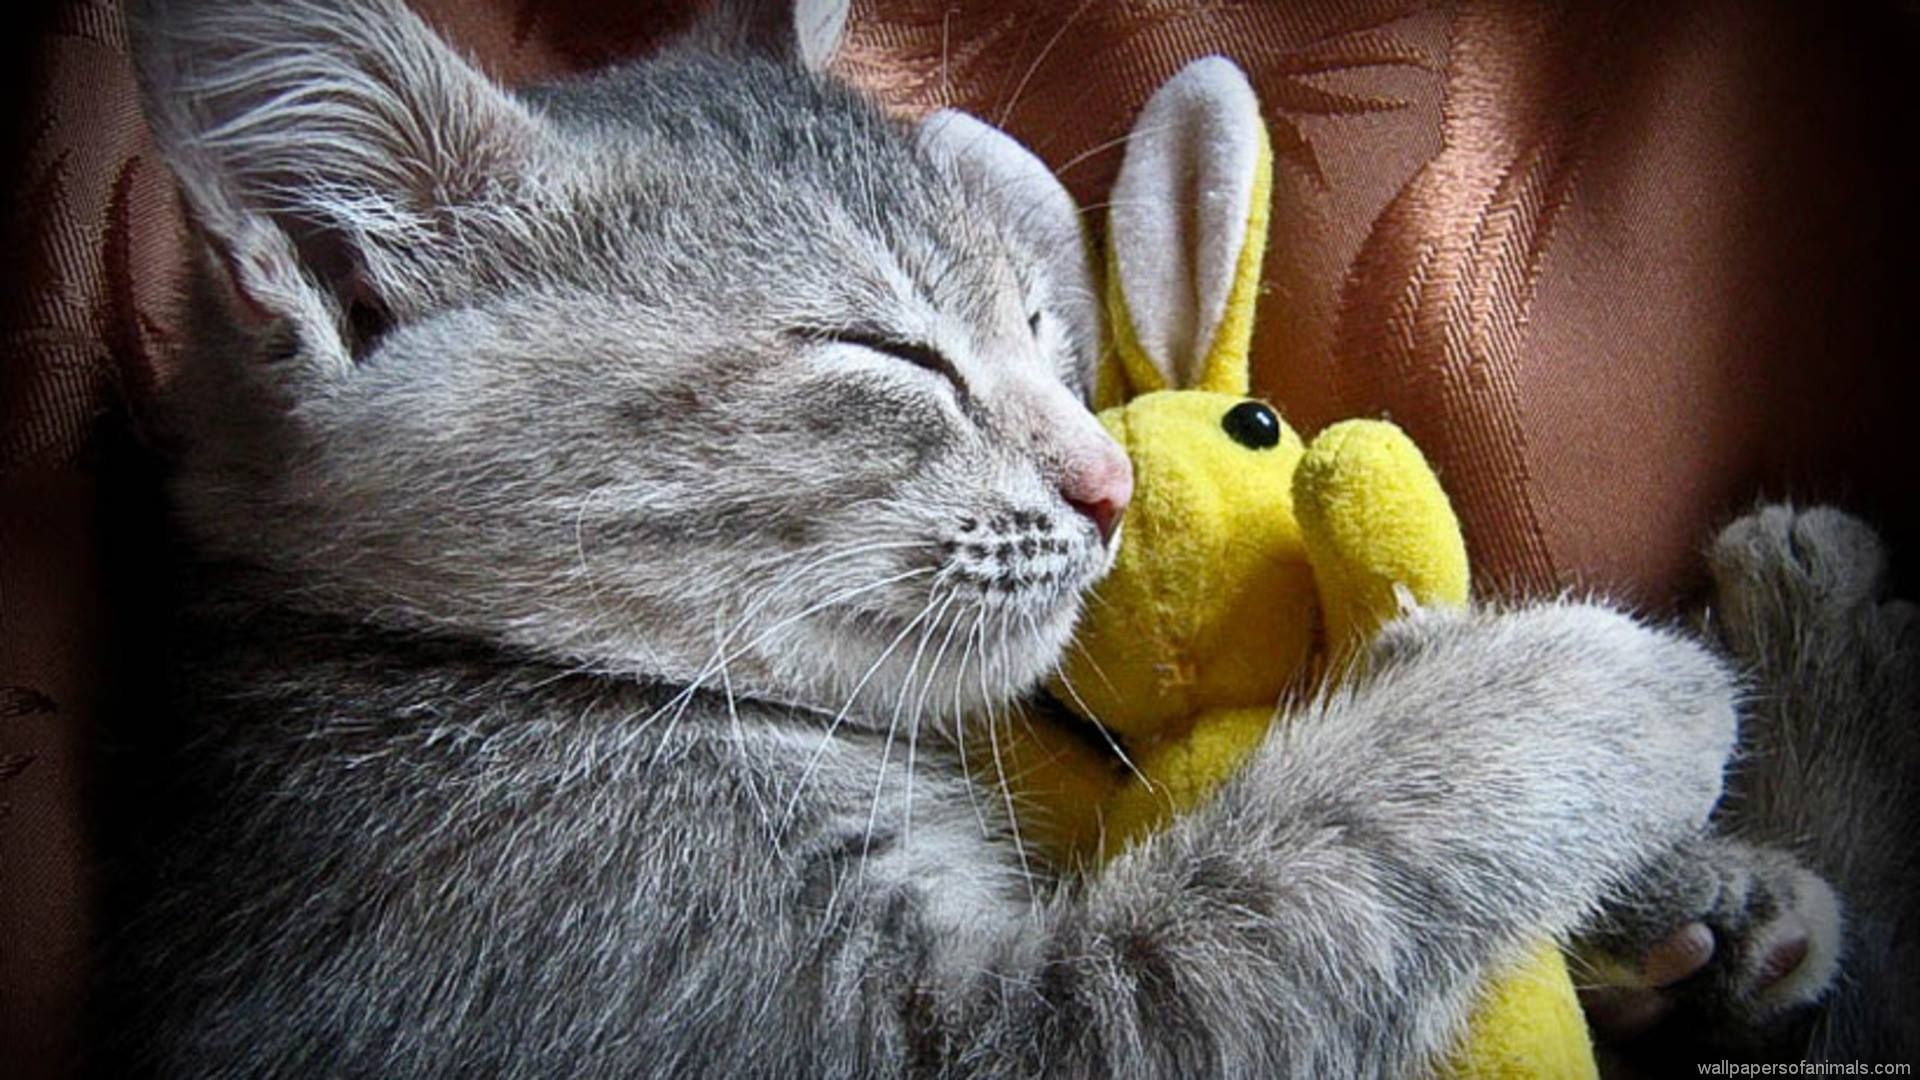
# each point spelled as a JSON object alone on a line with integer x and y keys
{"x": 1621, "y": 268}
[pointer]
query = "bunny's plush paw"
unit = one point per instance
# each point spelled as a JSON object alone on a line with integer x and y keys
{"x": 1375, "y": 522}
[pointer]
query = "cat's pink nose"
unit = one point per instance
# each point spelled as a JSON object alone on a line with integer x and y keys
{"x": 1100, "y": 488}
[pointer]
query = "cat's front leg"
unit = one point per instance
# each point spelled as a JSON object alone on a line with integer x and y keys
{"x": 1335, "y": 909}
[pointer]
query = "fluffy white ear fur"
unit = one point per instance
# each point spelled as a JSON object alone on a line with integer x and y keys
{"x": 317, "y": 144}
{"x": 1021, "y": 191}
{"x": 1180, "y": 210}
{"x": 807, "y": 30}
{"x": 819, "y": 26}
{"x": 995, "y": 167}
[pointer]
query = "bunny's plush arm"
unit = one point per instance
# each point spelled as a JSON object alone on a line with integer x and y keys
{"x": 1379, "y": 531}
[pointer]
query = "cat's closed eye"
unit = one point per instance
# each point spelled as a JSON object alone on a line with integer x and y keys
{"x": 918, "y": 353}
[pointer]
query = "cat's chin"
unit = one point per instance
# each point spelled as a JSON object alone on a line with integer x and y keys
{"x": 969, "y": 663}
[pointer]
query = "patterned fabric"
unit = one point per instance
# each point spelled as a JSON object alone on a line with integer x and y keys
{"x": 1620, "y": 269}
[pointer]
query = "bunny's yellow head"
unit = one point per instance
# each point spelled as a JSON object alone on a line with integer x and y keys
{"x": 1211, "y": 601}
{"x": 1218, "y": 598}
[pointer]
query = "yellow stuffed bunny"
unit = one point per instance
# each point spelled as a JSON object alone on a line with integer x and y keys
{"x": 1252, "y": 565}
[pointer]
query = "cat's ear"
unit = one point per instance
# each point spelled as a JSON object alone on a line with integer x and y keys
{"x": 324, "y": 150}
{"x": 1017, "y": 189}
{"x": 808, "y": 31}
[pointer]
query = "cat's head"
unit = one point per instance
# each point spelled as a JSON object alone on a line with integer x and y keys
{"x": 699, "y": 358}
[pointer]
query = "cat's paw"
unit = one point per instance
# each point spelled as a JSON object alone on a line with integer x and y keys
{"x": 1671, "y": 713}
{"x": 1785, "y": 566}
{"x": 1719, "y": 943}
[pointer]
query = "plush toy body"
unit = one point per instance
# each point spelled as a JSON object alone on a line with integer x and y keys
{"x": 1253, "y": 565}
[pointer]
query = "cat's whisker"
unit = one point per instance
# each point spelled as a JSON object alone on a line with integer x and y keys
{"x": 1094, "y": 596}
{"x": 1819, "y": 1035}
{"x": 1108, "y": 204}
{"x": 679, "y": 703}
{"x": 953, "y": 627}
{"x": 771, "y": 592}
{"x": 686, "y": 694}
{"x": 740, "y": 747}
{"x": 1116, "y": 143}
{"x": 913, "y": 718}
{"x": 946, "y": 57}
{"x": 1020, "y": 88}
{"x": 1078, "y": 646}
{"x": 1007, "y": 614}
{"x": 926, "y": 685}
{"x": 1582, "y": 972}
{"x": 765, "y": 596}
{"x": 963, "y": 721}
{"x": 1000, "y": 771}
{"x": 893, "y": 727}
{"x": 596, "y": 589}
{"x": 826, "y": 739}
{"x": 1087, "y": 712}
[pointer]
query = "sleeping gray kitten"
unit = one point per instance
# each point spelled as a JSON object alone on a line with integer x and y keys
{"x": 611, "y": 500}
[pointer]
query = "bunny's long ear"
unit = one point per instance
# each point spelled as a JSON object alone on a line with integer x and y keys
{"x": 1186, "y": 235}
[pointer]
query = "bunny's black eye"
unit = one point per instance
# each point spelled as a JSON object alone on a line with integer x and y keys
{"x": 1253, "y": 425}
